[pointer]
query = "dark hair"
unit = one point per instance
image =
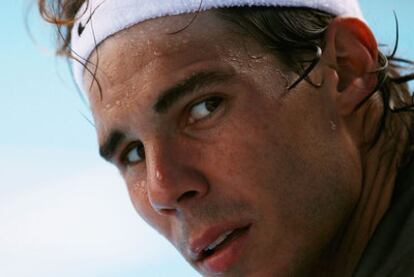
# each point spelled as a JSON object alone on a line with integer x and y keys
{"x": 61, "y": 13}
{"x": 294, "y": 35}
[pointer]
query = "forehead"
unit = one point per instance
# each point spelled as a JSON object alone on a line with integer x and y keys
{"x": 148, "y": 44}
{"x": 151, "y": 56}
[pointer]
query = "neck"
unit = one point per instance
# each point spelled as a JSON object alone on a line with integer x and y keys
{"x": 379, "y": 165}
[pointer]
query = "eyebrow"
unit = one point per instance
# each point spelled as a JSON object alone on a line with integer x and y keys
{"x": 108, "y": 148}
{"x": 183, "y": 88}
{"x": 167, "y": 99}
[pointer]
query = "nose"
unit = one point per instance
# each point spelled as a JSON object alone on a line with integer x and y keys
{"x": 173, "y": 180}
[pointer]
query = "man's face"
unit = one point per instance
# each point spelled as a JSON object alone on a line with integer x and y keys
{"x": 213, "y": 147}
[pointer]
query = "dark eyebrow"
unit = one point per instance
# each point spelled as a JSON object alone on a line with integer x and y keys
{"x": 109, "y": 146}
{"x": 193, "y": 83}
{"x": 167, "y": 99}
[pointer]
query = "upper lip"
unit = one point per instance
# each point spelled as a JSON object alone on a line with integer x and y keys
{"x": 208, "y": 236}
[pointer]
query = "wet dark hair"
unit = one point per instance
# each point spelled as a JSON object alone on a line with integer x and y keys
{"x": 61, "y": 13}
{"x": 294, "y": 35}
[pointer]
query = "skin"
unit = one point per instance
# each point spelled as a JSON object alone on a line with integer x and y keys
{"x": 294, "y": 164}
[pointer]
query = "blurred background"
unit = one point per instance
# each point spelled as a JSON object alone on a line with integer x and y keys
{"x": 64, "y": 211}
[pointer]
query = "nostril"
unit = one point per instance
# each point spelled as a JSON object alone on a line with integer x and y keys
{"x": 187, "y": 195}
{"x": 166, "y": 211}
{"x": 170, "y": 211}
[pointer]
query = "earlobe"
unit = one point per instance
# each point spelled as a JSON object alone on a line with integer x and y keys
{"x": 352, "y": 51}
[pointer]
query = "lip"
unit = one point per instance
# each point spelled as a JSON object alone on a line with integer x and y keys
{"x": 223, "y": 258}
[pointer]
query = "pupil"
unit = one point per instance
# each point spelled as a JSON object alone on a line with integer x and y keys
{"x": 208, "y": 253}
{"x": 212, "y": 103}
{"x": 141, "y": 151}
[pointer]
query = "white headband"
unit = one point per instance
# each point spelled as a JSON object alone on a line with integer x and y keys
{"x": 103, "y": 18}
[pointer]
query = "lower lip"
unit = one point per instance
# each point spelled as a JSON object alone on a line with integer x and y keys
{"x": 222, "y": 260}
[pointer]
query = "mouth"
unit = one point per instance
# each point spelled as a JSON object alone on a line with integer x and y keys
{"x": 218, "y": 251}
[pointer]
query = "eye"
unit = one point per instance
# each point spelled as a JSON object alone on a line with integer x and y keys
{"x": 134, "y": 153}
{"x": 204, "y": 108}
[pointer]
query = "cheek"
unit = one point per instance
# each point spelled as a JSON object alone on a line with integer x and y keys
{"x": 138, "y": 194}
{"x": 299, "y": 177}
{"x": 313, "y": 193}
{"x": 313, "y": 185}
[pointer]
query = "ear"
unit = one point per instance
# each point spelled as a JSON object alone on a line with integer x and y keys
{"x": 352, "y": 51}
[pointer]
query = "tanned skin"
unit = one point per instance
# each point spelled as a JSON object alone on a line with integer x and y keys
{"x": 235, "y": 147}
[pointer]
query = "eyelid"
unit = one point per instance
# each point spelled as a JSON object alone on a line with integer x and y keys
{"x": 204, "y": 98}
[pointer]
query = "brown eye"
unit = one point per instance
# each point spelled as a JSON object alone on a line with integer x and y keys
{"x": 204, "y": 108}
{"x": 134, "y": 154}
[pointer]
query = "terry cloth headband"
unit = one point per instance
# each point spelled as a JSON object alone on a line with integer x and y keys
{"x": 102, "y": 18}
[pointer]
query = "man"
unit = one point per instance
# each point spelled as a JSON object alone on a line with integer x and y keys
{"x": 256, "y": 136}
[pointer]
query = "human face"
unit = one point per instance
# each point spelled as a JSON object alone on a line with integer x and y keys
{"x": 212, "y": 146}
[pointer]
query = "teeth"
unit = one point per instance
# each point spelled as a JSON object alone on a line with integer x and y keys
{"x": 219, "y": 240}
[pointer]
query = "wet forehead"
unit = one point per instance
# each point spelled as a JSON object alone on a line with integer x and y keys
{"x": 144, "y": 45}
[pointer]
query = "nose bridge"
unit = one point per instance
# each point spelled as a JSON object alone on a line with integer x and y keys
{"x": 172, "y": 180}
